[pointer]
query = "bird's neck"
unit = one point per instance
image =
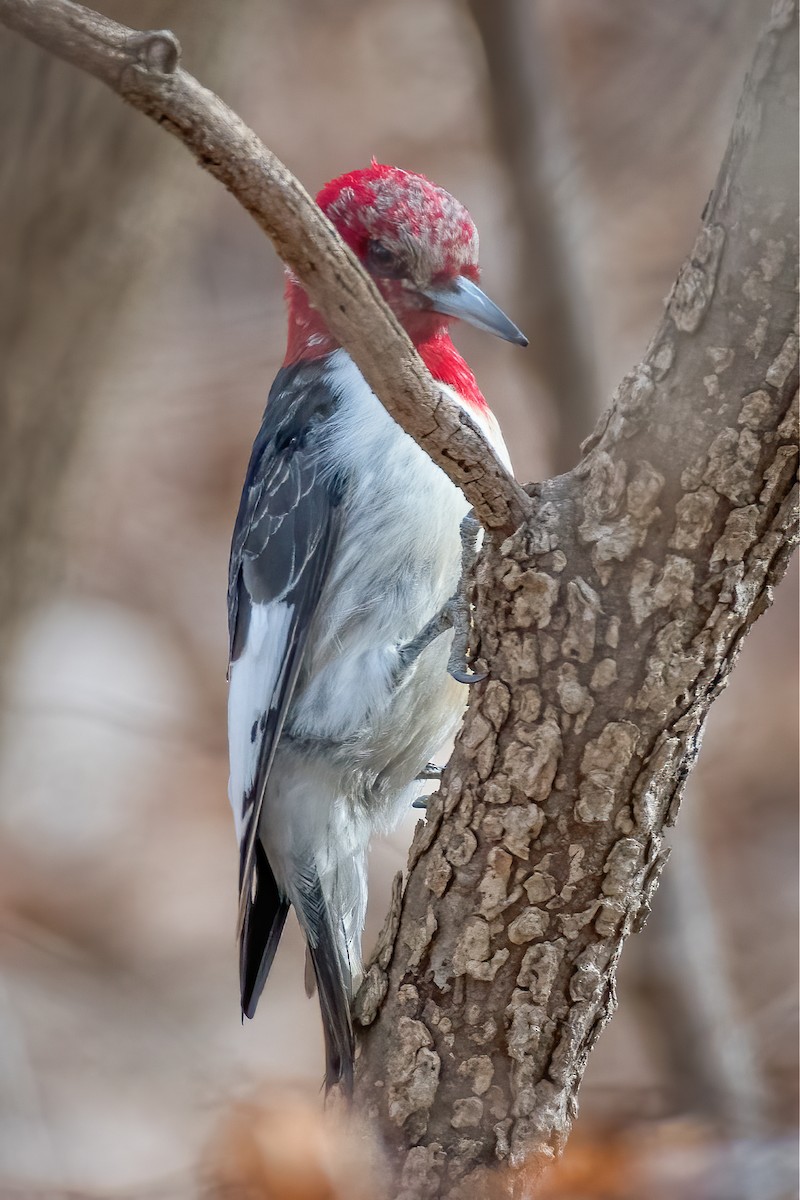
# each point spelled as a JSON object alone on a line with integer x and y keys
{"x": 309, "y": 338}
{"x": 447, "y": 366}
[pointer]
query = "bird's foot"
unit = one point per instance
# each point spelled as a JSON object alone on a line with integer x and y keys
{"x": 459, "y": 608}
{"x": 432, "y": 772}
{"x": 456, "y": 614}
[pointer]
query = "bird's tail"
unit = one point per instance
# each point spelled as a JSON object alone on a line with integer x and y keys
{"x": 264, "y": 917}
{"x": 325, "y": 949}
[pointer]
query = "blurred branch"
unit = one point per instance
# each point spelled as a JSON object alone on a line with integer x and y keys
{"x": 69, "y": 274}
{"x": 152, "y": 726}
{"x": 143, "y": 69}
{"x": 689, "y": 1013}
{"x": 550, "y": 299}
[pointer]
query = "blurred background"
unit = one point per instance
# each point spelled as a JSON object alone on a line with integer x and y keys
{"x": 141, "y": 323}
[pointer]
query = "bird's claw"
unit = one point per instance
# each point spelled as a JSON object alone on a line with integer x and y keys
{"x": 456, "y": 615}
{"x": 431, "y": 771}
{"x": 468, "y": 677}
{"x": 459, "y": 664}
{"x": 459, "y": 609}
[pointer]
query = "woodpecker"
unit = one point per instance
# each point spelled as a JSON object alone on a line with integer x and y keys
{"x": 346, "y": 545}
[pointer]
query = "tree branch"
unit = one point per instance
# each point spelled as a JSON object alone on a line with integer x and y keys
{"x": 143, "y": 69}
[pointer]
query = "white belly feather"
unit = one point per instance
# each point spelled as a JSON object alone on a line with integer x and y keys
{"x": 354, "y": 737}
{"x": 396, "y": 564}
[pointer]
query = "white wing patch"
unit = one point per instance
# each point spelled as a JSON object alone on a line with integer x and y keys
{"x": 253, "y": 677}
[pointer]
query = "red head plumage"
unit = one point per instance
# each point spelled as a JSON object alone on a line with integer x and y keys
{"x": 429, "y": 234}
{"x": 420, "y": 246}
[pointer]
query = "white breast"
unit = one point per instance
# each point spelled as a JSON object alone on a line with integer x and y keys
{"x": 396, "y": 564}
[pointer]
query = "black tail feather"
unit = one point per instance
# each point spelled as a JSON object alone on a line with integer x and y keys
{"x": 264, "y": 919}
{"x": 334, "y": 998}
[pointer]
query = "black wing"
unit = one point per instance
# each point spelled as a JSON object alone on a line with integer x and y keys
{"x": 285, "y": 532}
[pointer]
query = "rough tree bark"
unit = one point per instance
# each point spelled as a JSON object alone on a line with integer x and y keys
{"x": 611, "y": 605}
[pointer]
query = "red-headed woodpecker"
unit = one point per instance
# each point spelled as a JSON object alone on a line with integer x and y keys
{"x": 346, "y": 545}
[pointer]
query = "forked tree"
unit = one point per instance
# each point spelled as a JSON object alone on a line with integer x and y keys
{"x": 611, "y": 602}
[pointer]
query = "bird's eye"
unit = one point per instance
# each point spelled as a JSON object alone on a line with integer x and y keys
{"x": 383, "y": 261}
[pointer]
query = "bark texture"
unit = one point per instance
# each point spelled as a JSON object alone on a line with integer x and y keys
{"x": 609, "y": 624}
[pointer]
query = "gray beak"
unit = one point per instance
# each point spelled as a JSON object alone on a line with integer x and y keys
{"x": 464, "y": 299}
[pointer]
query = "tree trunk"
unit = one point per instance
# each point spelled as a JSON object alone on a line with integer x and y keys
{"x": 609, "y": 623}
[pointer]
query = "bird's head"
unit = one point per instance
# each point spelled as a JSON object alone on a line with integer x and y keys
{"x": 420, "y": 247}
